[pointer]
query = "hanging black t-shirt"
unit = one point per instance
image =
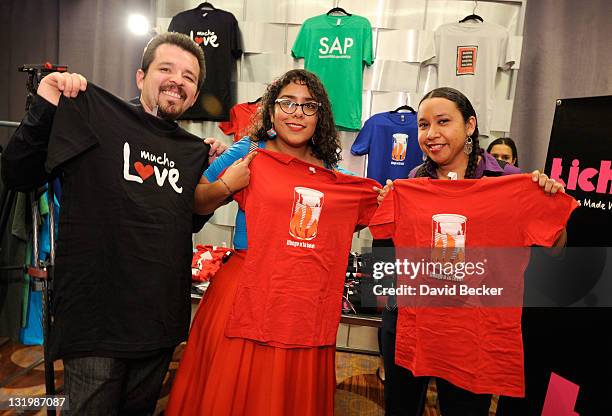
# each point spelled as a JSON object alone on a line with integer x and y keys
{"x": 216, "y": 31}
{"x": 122, "y": 274}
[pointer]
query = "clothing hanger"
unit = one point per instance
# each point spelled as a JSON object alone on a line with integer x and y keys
{"x": 404, "y": 107}
{"x": 472, "y": 16}
{"x": 338, "y": 10}
{"x": 206, "y": 6}
{"x": 254, "y": 102}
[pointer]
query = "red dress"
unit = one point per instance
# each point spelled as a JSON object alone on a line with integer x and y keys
{"x": 235, "y": 376}
{"x": 263, "y": 339}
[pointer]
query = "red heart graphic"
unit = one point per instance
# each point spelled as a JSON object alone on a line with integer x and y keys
{"x": 143, "y": 171}
{"x": 198, "y": 40}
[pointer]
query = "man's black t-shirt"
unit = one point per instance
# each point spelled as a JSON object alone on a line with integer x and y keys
{"x": 122, "y": 273}
{"x": 216, "y": 31}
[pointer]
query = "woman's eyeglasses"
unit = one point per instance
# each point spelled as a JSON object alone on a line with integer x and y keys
{"x": 288, "y": 106}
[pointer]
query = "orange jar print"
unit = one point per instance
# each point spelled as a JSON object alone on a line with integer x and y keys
{"x": 448, "y": 240}
{"x": 307, "y": 204}
{"x": 400, "y": 143}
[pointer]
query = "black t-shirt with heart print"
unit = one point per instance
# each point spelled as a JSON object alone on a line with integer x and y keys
{"x": 216, "y": 31}
{"x": 122, "y": 273}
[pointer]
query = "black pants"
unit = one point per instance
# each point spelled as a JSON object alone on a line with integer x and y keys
{"x": 114, "y": 386}
{"x": 405, "y": 394}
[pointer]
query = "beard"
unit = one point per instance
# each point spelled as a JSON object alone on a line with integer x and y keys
{"x": 167, "y": 113}
{"x": 171, "y": 111}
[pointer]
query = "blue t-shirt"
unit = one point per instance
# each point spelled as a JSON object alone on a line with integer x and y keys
{"x": 391, "y": 141}
{"x": 237, "y": 151}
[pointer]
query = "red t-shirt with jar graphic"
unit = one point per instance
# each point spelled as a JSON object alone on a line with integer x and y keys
{"x": 300, "y": 220}
{"x": 477, "y": 345}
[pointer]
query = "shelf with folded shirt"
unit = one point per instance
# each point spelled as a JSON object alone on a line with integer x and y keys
{"x": 206, "y": 261}
{"x": 360, "y": 319}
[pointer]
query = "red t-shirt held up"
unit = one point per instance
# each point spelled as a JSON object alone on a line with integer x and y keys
{"x": 476, "y": 347}
{"x": 300, "y": 221}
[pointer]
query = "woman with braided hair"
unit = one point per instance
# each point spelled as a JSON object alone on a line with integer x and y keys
{"x": 450, "y": 145}
{"x": 448, "y": 136}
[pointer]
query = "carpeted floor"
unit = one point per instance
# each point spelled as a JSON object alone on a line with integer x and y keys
{"x": 359, "y": 391}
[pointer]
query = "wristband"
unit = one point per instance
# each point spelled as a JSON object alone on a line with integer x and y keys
{"x": 228, "y": 188}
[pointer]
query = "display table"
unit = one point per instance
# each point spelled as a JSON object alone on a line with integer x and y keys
{"x": 358, "y": 333}
{"x": 362, "y": 320}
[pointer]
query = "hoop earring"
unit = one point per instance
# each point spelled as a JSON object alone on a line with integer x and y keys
{"x": 468, "y": 146}
{"x": 271, "y": 133}
{"x": 424, "y": 157}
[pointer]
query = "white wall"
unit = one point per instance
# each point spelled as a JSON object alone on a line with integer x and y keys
{"x": 401, "y": 31}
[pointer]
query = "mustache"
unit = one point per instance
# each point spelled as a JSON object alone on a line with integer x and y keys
{"x": 174, "y": 88}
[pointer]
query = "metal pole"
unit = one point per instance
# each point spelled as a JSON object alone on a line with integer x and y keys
{"x": 35, "y": 217}
{"x": 43, "y": 281}
{"x": 8, "y": 123}
{"x": 47, "y": 298}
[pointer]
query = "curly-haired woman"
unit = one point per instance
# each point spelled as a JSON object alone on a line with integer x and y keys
{"x": 230, "y": 171}
{"x": 263, "y": 339}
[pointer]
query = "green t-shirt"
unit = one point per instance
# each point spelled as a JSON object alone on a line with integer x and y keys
{"x": 336, "y": 48}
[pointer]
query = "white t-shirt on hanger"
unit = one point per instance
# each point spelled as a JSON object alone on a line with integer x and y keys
{"x": 468, "y": 55}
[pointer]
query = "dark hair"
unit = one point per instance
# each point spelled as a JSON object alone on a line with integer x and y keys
{"x": 467, "y": 110}
{"x": 324, "y": 144}
{"x": 508, "y": 142}
{"x": 176, "y": 39}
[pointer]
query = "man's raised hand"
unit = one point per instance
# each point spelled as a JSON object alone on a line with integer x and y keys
{"x": 55, "y": 84}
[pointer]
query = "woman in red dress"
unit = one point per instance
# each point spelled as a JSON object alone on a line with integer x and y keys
{"x": 275, "y": 354}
